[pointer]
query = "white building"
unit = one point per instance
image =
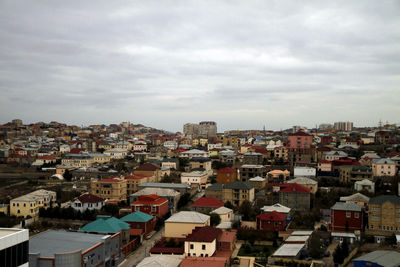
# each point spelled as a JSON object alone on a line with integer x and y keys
{"x": 171, "y": 145}
{"x": 14, "y": 247}
{"x": 194, "y": 178}
{"x": 116, "y": 153}
{"x": 194, "y": 153}
{"x": 304, "y": 172}
{"x": 88, "y": 202}
{"x": 365, "y": 185}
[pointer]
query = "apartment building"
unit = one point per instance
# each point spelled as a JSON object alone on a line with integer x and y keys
{"x": 29, "y": 204}
{"x": 384, "y": 215}
{"x": 112, "y": 188}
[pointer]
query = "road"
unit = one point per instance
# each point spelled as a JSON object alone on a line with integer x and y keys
{"x": 144, "y": 249}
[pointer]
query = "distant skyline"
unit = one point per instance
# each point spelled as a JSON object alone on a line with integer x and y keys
{"x": 242, "y": 64}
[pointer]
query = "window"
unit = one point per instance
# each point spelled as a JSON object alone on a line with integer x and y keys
{"x": 24, "y": 204}
{"x": 348, "y": 214}
{"x": 203, "y": 247}
{"x": 191, "y": 246}
{"x": 356, "y": 215}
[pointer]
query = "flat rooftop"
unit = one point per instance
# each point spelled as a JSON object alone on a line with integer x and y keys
{"x": 51, "y": 242}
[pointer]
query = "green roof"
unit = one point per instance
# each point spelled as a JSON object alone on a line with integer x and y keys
{"x": 105, "y": 225}
{"x": 137, "y": 216}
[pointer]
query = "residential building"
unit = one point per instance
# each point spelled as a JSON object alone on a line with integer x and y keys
{"x": 194, "y": 153}
{"x": 77, "y": 160}
{"x": 306, "y": 182}
{"x": 384, "y": 215}
{"x": 29, "y": 204}
{"x": 171, "y": 144}
{"x": 277, "y": 176}
{"x": 140, "y": 223}
{"x": 226, "y": 175}
{"x": 250, "y": 171}
{"x": 149, "y": 169}
{"x": 191, "y": 129}
{"x": 299, "y": 140}
{"x": 383, "y": 167}
{"x": 226, "y": 214}
{"x": 333, "y": 155}
{"x": 14, "y": 247}
{"x": 112, "y": 188}
{"x": 354, "y": 173}
{"x": 206, "y": 204}
{"x": 365, "y": 185}
{"x": 208, "y": 128}
{"x": 134, "y": 180}
{"x": 278, "y": 208}
{"x": 151, "y": 204}
{"x": 356, "y": 198}
{"x": 258, "y": 182}
{"x": 238, "y": 192}
{"x": 295, "y": 196}
{"x": 170, "y": 163}
{"x": 302, "y": 171}
{"x": 215, "y": 191}
{"x": 173, "y": 196}
{"x": 181, "y": 188}
{"x": 116, "y": 153}
{"x": 253, "y": 158}
{"x": 182, "y": 223}
{"x": 60, "y": 248}
{"x": 139, "y": 146}
{"x": 202, "y": 242}
{"x": 346, "y": 217}
{"x": 271, "y": 221}
{"x": 87, "y": 201}
{"x": 345, "y": 126}
{"x": 196, "y": 179}
{"x": 201, "y": 163}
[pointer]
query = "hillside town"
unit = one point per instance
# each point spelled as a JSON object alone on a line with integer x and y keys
{"x": 130, "y": 195}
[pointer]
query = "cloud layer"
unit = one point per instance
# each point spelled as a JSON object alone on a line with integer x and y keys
{"x": 243, "y": 64}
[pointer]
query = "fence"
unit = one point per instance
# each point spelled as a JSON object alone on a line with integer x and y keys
{"x": 348, "y": 259}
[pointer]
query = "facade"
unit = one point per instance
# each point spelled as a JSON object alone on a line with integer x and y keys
{"x": 253, "y": 158}
{"x": 201, "y": 163}
{"x": 191, "y": 129}
{"x": 60, "y": 248}
{"x": 149, "y": 169}
{"x": 116, "y": 153}
{"x": 226, "y": 175}
{"x": 383, "y": 167}
{"x": 304, "y": 172}
{"x": 181, "y": 224}
{"x": 354, "y": 173}
{"x": 299, "y": 140}
{"x": 202, "y": 242}
{"x": 251, "y": 171}
{"x": 224, "y": 213}
{"x": 271, "y": 221}
{"x": 151, "y": 204}
{"x": 29, "y": 204}
{"x": 171, "y": 195}
{"x": 140, "y": 221}
{"x": 206, "y": 204}
{"x": 384, "y": 215}
{"x": 365, "y": 185}
{"x": 87, "y": 202}
{"x": 333, "y": 155}
{"x": 238, "y": 192}
{"x": 111, "y": 188}
{"x": 345, "y": 126}
{"x": 208, "y": 128}
{"x": 194, "y": 178}
{"x": 295, "y": 196}
{"x": 306, "y": 182}
{"x": 277, "y": 176}
{"x": 346, "y": 217}
{"x": 134, "y": 180}
{"x": 14, "y": 247}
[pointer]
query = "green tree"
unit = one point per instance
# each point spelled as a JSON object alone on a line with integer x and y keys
{"x": 337, "y": 255}
{"x": 183, "y": 200}
{"x": 315, "y": 249}
{"x": 229, "y": 205}
{"x": 215, "y": 219}
{"x": 67, "y": 175}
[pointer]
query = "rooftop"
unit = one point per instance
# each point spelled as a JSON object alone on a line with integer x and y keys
{"x": 204, "y": 234}
{"x": 346, "y": 206}
{"x": 137, "y": 216}
{"x": 188, "y": 217}
{"x": 288, "y": 250}
{"x": 105, "y": 224}
{"x": 382, "y": 257}
{"x": 208, "y": 202}
{"x": 160, "y": 261}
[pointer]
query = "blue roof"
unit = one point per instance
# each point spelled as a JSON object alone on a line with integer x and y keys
{"x": 105, "y": 225}
{"x": 137, "y": 216}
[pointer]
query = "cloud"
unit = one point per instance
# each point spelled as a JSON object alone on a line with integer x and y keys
{"x": 241, "y": 64}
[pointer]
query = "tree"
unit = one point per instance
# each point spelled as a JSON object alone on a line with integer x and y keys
{"x": 337, "y": 255}
{"x": 391, "y": 240}
{"x": 215, "y": 219}
{"x": 315, "y": 249}
{"x": 67, "y": 175}
{"x": 183, "y": 200}
{"x": 229, "y": 205}
{"x": 246, "y": 210}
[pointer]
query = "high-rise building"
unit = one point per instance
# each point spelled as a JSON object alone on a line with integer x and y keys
{"x": 208, "y": 128}
{"x": 343, "y": 126}
{"x": 191, "y": 129}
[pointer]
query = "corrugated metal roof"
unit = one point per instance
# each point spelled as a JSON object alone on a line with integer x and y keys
{"x": 346, "y": 206}
{"x": 382, "y": 257}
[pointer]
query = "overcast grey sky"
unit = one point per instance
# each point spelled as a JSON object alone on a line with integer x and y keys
{"x": 243, "y": 64}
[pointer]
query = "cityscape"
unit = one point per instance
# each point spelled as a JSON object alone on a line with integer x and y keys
{"x": 199, "y": 133}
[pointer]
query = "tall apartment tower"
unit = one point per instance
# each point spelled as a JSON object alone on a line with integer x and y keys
{"x": 191, "y": 129}
{"x": 208, "y": 128}
{"x": 343, "y": 126}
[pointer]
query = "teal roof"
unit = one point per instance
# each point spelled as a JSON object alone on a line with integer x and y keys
{"x": 137, "y": 216}
{"x": 105, "y": 225}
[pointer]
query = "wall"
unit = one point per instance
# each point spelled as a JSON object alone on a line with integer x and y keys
{"x": 181, "y": 229}
{"x": 197, "y": 248}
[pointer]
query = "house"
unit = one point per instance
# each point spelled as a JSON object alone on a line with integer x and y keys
{"x": 271, "y": 221}
{"x": 201, "y": 163}
{"x": 134, "y": 180}
{"x": 141, "y": 223}
{"x": 182, "y": 223}
{"x": 181, "y": 188}
{"x": 306, "y": 182}
{"x": 253, "y": 158}
{"x": 248, "y": 171}
{"x": 112, "y": 188}
{"x": 45, "y": 159}
{"x": 206, "y": 204}
{"x": 356, "y": 198}
{"x": 333, "y": 155}
{"x": 238, "y": 192}
{"x": 325, "y": 165}
{"x": 149, "y": 169}
{"x": 116, "y": 153}
{"x": 61, "y": 248}
{"x": 226, "y": 214}
{"x": 379, "y": 258}
{"x": 278, "y": 176}
{"x": 140, "y": 146}
{"x": 354, "y": 173}
{"x": 202, "y": 242}
{"x": 193, "y": 153}
{"x": 258, "y": 182}
{"x": 170, "y": 163}
{"x": 295, "y": 196}
{"x": 171, "y": 195}
{"x": 301, "y": 171}
{"x": 299, "y": 140}
{"x": 365, "y": 185}
{"x": 278, "y": 208}
{"x": 383, "y": 167}
{"x": 196, "y": 179}
{"x": 151, "y": 204}
{"x": 346, "y": 217}
{"x": 88, "y": 201}
{"x": 215, "y": 190}
{"x": 226, "y": 175}
{"x": 384, "y": 215}
{"x": 29, "y": 204}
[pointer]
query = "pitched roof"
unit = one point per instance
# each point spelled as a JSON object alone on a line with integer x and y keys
{"x": 346, "y": 206}
{"x": 89, "y": 198}
{"x": 276, "y": 207}
{"x": 302, "y": 180}
{"x": 300, "y": 133}
{"x": 137, "y": 216}
{"x": 147, "y": 167}
{"x": 150, "y": 200}
{"x": 227, "y": 170}
{"x": 204, "y": 234}
{"x": 272, "y": 216}
{"x": 105, "y": 224}
{"x": 382, "y": 258}
{"x": 355, "y": 197}
{"x": 222, "y": 210}
{"x": 208, "y": 202}
{"x": 385, "y": 198}
{"x": 137, "y": 176}
{"x": 239, "y": 185}
{"x": 188, "y": 217}
{"x": 294, "y": 188}
{"x": 215, "y": 187}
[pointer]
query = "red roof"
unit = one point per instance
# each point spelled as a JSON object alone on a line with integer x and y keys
{"x": 272, "y": 216}
{"x": 294, "y": 188}
{"x": 204, "y": 234}
{"x": 208, "y": 202}
{"x": 46, "y": 157}
{"x": 323, "y": 149}
{"x": 227, "y": 170}
{"x": 325, "y": 161}
{"x": 300, "y": 133}
{"x": 89, "y": 198}
{"x": 19, "y": 156}
{"x": 392, "y": 154}
{"x": 147, "y": 167}
{"x": 77, "y": 150}
{"x": 137, "y": 176}
{"x": 150, "y": 200}
{"x": 111, "y": 180}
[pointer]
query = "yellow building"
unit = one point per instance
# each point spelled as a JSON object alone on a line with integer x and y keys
{"x": 100, "y": 158}
{"x": 238, "y": 192}
{"x": 132, "y": 182}
{"x": 384, "y": 215}
{"x": 77, "y": 160}
{"x": 29, "y": 204}
{"x": 182, "y": 223}
{"x": 111, "y": 188}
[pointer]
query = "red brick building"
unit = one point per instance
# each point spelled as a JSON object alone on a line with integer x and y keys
{"x": 271, "y": 221}
{"x": 207, "y": 204}
{"x": 346, "y": 217}
{"x": 226, "y": 175}
{"x": 151, "y": 204}
{"x": 299, "y": 140}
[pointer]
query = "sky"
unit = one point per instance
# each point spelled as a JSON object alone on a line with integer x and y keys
{"x": 242, "y": 64}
